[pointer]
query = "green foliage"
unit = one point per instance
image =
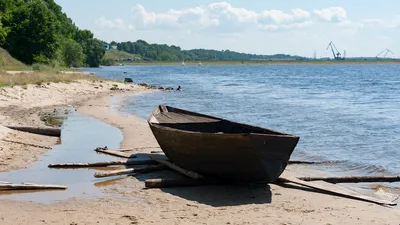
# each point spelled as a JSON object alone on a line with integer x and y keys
{"x": 72, "y": 53}
{"x": 37, "y": 31}
{"x": 174, "y": 53}
{"x": 94, "y": 51}
{"x": 33, "y": 33}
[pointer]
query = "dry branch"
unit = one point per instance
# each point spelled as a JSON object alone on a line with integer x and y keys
{"x": 55, "y": 132}
{"x": 102, "y": 164}
{"x": 354, "y": 179}
{"x": 180, "y": 182}
{"x": 29, "y": 186}
{"x": 333, "y": 189}
{"x": 129, "y": 171}
{"x": 29, "y": 144}
{"x": 161, "y": 159}
{"x": 115, "y": 153}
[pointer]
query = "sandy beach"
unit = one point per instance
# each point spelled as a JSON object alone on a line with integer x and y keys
{"x": 128, "y": 201}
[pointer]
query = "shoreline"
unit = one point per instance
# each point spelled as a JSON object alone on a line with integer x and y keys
{"x": 272, "y": 204}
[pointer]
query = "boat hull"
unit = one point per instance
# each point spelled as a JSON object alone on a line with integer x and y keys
{"x": 240, "y": 157}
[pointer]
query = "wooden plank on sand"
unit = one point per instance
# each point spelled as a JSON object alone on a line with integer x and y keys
{"x": 129, "y": 171}
{"x": 102, "y": 164}
{"x": 178, "y": 182}
{"x": 115, "y": 153}
{"x": 354, "y": 179}
{"x": 163, "y": 160}
{"x": 55, "y": 132}
{"x": 29, "y": 186}
{"x": 331, "y": 188}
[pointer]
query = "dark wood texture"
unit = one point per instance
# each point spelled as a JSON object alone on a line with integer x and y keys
{"x": 221, "y": 148}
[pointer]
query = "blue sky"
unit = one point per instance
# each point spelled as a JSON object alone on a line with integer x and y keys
{"x": 362, "y": 28}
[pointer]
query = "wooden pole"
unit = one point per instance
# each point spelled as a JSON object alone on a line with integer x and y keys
{"x": 28, "y": 186}
{"x": 309, "y": 162}
{"x": 55, "y": 132}
{"x": 115, "y": 153}
{"x": 354, "y": 179}
{"x": 179, "y": 182}
{"x": 102, "y": 164}
{"x": 334, "y": 189}
{"x": 161, "y": 159}
{"x": 29, "y": 144}
{"x": 129, "y": 171}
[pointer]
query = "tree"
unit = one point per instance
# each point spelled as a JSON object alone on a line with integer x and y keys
{"x": 33, "y": 32}
{"x": 72, "y": 53}
{"x": 94, "y": 51}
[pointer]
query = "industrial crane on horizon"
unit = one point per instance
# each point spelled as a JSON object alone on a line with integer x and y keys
{"x": 386, "y": 51}
{"x": 336, "y": 54}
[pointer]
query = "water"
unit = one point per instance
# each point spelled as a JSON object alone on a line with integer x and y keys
{"x": 80, "y": 135}
{"x": 349, "y": 113}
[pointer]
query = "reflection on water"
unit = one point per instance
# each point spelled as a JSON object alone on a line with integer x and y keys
{"x": 80, "y": 135}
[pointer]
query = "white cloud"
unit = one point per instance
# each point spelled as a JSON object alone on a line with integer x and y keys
{"x": 222, "y": 17}
{"x": 331, "y": 14}
{"x": 113, "y": 24}
{"x": 382, "y": 23}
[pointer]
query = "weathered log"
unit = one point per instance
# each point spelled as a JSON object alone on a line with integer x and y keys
{"x": 129, "y": 171}
{"x": 55, "y": 132}
{"x": 29, "y": 186}
{"x": 334, "y": 189}
{"x": 29, "y": 144}
{"x": 309, "y": 162}
{"x": 179, "y": 182}
{"x": 102, "y": 164}
{"x": 354, "y": 179}
{"x": 115, "y": 153}
{"x": 162, "y": 160}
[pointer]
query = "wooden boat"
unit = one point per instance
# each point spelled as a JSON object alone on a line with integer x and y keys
{"x": 220, "y": 148}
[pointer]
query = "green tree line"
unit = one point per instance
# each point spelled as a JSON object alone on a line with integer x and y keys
{"x": 37, "y": 31}
{"x": 162, "y": 52}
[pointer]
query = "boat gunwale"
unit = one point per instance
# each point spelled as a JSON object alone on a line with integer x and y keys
{"x": 159, "y": 126}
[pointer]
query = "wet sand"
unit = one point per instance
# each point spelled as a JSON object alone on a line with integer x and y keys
{"x": 129, "y": 203}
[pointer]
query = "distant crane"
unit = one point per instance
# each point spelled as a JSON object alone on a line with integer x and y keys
{"x": 336, "y": 54}
{"x": 386, "y": 51}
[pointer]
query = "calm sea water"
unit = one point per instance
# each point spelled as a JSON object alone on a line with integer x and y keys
{"x": 349, "y": 113}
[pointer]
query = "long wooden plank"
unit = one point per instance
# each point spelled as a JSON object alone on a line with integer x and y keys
{"x": 354, "y": 179}
{"x": 55, "y": 132}
{"x": 102, "y": 164}
{"x": 24, "y": 143}
{"x": 115, "y": 153}
{"x": 129, "y": 171}
{"x": 178, "y": 182}
{"x": 29, "y": 186}
{"x": 161, "y": 159}
{"x": 331, "y": 188}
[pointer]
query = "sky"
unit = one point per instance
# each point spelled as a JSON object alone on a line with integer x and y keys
{"x": 359, "y": 27}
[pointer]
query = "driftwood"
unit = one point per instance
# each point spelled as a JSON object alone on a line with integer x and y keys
{"x": 179, "y": 182}
{"x": 23, "y": 143}
{"x": 333, "y": 189}
{"x": 163, "y": 160}
{"x": 115, "y": 153}
{"x": 354, "y": 179}
{"x": 129, "y": 171}
{"x": 309, "y": 162}
{"x": 55, "y": 132}
{"x": 102, "y": 164}
{"x": 29, "y": 186}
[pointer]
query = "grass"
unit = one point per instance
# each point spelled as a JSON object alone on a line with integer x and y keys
{"x": 7, "y": 62}
{"x": 23, "y": 79}
{"x": 118, "y": 56}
